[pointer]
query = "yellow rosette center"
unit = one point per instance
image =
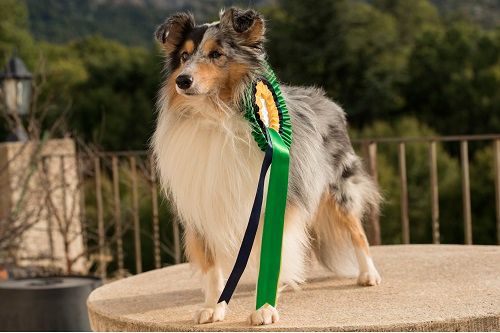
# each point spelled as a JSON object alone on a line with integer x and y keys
{"x": 268, "y": 112}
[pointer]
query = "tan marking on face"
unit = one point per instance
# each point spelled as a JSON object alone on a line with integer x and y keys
{"x": 197, "y": 252}
{"x": 188, "y": 46}
{"x": 235, "y": 73}
{"x": 209, "y": 46}
{"x": 207, "y": 77}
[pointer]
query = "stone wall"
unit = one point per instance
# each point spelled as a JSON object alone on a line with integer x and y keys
{"x": 40, "y": 192}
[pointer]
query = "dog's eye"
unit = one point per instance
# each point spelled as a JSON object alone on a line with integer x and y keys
{"x": 184, "y": 56}
{"x": 214, "y": 55}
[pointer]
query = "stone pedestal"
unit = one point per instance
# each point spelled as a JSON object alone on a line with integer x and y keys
{"x": 40, "y": 202}
{"x": 424, "y": 288}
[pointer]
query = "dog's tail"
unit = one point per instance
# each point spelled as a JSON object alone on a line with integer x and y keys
{"x": 335, "y": 225}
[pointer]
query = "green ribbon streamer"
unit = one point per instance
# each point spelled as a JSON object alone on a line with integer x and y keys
{"x": 274, "y": 216}
{"x": 272, "y": 234}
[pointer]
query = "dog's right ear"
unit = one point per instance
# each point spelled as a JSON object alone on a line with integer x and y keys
{"x": 172, "y": 32}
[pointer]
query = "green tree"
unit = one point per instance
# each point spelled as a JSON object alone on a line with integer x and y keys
{"x": 114, "y": 106}
{"x": 412, "y": 17}
{"x": 454, "y": 80}
{"x": 14, "y": 32}
{"x": 349, "y": 48}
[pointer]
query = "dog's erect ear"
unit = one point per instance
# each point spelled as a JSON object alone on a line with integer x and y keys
{"x": 172, "y": 32}
{"x": 247, "y": 24}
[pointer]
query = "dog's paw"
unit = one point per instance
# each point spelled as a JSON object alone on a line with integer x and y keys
{"x": 210, "y": 314}
{"x": 370, "y": 278}
{"x": 266, "y": 315}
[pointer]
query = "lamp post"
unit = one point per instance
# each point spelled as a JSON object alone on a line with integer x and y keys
{"x": 15, "y": 85}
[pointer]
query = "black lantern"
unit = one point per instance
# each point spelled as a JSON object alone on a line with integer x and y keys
{"x": 15, "y": 85}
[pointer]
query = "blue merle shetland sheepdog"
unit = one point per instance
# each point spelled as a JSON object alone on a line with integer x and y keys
{"x": 209, "y": 163}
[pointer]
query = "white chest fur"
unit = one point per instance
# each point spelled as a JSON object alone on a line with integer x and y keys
{"x": 211, "y": 170}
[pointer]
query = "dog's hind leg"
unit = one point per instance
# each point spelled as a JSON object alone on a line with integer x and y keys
{"x": 340, "y": 242}
{"x": 368, "y": 274}
{"x": 339, "y": 238}
{"x": 213, "y": 281}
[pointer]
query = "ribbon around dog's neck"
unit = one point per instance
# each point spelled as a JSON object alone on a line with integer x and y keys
{"x": 267, "y": 114}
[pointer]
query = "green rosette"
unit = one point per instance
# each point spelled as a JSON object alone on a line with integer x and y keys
{"x": 258, "y": 131}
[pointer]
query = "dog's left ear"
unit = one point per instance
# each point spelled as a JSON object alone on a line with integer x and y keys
{"x": 248, "y": 25}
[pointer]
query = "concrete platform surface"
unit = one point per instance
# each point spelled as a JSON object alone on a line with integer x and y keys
{"x": 424, "y": 288}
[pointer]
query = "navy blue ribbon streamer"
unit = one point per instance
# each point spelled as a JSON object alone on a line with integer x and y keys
{"x": 250, "y": 232}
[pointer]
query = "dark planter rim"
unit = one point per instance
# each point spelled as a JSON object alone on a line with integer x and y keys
{"x": 50, "y": 286}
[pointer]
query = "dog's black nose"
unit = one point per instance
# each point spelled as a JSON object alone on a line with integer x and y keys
{"x": 184, "y": 81}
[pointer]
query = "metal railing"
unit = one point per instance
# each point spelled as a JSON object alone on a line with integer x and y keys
{"x": 140, "y": 183}
{"x": 370, "y": 146}
{"x": 122, "y": 205}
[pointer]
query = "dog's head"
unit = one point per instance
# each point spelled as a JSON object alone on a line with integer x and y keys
{"x": 212, "y": 59}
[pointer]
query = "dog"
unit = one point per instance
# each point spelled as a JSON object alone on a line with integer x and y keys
{"x": 209, "y": 163}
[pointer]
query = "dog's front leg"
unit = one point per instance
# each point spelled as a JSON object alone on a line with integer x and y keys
{"x": 213, "y": 283}
{"x": 293, "y": 261}
{"x": 265, "y": 315}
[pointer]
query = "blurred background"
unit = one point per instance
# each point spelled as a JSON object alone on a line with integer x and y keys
{"x": 419, "y": 81}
